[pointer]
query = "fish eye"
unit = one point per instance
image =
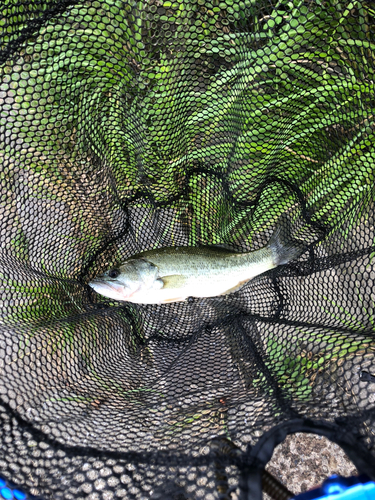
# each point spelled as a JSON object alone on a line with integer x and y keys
{"x": 113, "y": 273}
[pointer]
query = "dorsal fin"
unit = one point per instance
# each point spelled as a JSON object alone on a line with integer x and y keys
{"x": 222, "y": 246}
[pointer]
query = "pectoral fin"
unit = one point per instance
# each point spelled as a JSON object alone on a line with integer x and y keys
{"x": 173, "y": 281}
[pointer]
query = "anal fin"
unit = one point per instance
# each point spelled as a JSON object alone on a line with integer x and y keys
{"x": 239, "y": 285}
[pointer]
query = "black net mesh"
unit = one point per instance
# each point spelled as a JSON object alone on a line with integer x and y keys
{"x": 128, "y": 126}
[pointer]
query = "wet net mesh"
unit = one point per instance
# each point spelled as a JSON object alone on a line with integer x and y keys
{"x": 128, "y": 126}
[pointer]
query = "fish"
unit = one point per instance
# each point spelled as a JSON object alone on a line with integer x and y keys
{"x": 173, "y": 274}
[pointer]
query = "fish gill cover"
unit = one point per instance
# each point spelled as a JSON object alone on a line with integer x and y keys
{"x": 132, "y": 126}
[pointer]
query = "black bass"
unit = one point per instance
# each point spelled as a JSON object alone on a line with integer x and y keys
{"x": 175, "y": 273}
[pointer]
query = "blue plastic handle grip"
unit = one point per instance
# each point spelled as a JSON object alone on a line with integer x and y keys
{"x": 11, "y": 492}
{"x": 334, "y": 488}
{"x": 342, "y": 488}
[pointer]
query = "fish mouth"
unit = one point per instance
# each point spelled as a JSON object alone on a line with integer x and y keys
{"x": 100, "y": 285}
{"x": 96, "y": 282}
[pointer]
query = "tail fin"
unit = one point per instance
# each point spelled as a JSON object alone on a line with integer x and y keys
{"x": 284, "y": 247}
